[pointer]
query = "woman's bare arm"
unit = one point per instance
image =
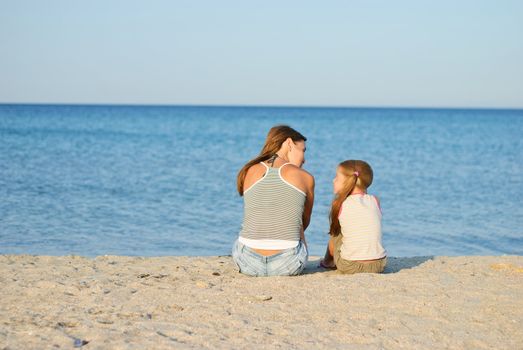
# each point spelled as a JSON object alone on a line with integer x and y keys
{"x": 309, "y": 200}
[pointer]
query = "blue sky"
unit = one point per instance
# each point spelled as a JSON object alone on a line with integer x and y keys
{"x": 307, "y": 53}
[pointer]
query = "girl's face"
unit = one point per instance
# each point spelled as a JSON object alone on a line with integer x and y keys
{"x": 338, "y": 181}
{"x": 297, "y": 153}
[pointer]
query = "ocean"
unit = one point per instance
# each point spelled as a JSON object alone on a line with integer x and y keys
{"x": 161, "y": 180}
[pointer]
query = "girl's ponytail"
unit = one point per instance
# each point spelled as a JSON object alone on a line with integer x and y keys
{"x": 357, "y": 172}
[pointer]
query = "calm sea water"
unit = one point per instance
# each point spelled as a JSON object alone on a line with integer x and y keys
{"x": 153, "y": 181}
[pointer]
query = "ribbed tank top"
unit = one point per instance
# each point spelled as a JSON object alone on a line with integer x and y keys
{"x": 360, "y": 221}
{"x": 273, "y": 212}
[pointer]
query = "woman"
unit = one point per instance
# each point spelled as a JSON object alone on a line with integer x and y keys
{"x": 278, "y": 197}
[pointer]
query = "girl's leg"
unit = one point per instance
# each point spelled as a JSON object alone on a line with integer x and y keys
{"x": 328, "y": 259}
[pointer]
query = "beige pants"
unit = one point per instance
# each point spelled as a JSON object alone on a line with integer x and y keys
{"x": 351, "y": 267}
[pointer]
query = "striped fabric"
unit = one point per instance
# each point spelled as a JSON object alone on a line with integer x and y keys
{"x": 273, "y": 213}
{"x": 360, "y": 220}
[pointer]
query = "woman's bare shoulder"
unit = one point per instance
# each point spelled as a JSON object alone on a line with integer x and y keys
{"x": 256, "y": 171}
{"x": 298, "y": 177}
{"x": 293, "y": 170}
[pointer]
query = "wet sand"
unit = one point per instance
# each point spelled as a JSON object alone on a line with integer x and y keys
{"x": 114, "y": 302}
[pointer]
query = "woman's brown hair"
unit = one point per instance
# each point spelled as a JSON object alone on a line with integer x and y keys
{"x": 357, "y": 173}
{"x": 275, "y": 138}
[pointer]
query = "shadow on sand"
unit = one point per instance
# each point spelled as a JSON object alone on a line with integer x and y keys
{"x": 397, "y": 264}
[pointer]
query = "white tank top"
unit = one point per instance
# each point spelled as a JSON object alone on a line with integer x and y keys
{"x": 360, "y": 221}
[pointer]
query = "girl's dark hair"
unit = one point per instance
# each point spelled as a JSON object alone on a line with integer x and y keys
{"x": 357, "y": 173}
{"x": 275, "y": 138}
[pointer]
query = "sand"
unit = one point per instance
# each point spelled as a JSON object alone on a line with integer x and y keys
{"x": 114, "y": 302}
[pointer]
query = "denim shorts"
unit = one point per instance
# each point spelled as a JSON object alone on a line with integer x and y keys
{"x": 289, "y": 262}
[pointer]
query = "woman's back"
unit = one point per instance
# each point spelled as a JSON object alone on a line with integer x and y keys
{"x": 273, "y": 211}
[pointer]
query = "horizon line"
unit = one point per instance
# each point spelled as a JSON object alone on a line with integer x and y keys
{"x": 250, "y": 106}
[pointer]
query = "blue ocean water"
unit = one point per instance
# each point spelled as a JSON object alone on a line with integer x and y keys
{"x": 160, "y": 180}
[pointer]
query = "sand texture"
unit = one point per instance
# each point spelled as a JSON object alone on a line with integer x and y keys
{"x": 113, "y": 302}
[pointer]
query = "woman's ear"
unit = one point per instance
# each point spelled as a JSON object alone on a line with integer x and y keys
{"x": 289, "y": 143}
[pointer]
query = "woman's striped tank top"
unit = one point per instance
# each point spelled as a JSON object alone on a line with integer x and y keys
{"x": 273, "y": 212}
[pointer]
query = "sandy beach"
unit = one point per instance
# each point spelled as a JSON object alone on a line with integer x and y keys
{"x": 114, "y": 302}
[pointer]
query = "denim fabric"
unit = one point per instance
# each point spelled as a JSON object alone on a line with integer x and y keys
{"x": 288, "y": 262}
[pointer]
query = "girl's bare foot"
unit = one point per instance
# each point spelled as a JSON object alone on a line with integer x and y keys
{"x": 327, "y": 264}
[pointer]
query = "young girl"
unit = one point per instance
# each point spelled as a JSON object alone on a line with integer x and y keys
{"x": 355, "y": 222}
